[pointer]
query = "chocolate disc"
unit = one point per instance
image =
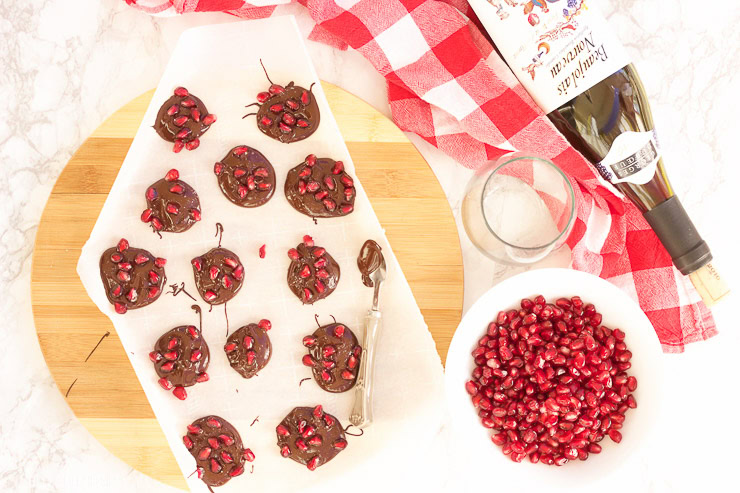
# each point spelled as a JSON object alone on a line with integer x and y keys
{"x": 310, "y": 436}
{"x": 249, "y": 349}
{"x": 287, "y": 114}
{"x": 313, "y": 274}
{"x": 334, "y": 355}
{"x": 245, "y": 177}
{"x": 219, "y": 275}
{"x": 172, "y": 205}
{"x": 320, "y": 188}
{"x": 180, "y": 359}
{"x": 132, "y": 277}
{"x": 182, "y": 119}
{"x": 217, "y": 448}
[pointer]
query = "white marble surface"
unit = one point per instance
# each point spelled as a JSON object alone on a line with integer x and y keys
{"x": 68, "y": 65}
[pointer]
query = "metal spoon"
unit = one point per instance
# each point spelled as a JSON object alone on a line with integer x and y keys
{"x": 362, "y": 410}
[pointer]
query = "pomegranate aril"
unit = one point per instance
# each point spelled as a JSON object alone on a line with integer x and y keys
{"x": 178, "y": 145}
{"x": 263, "y": 96}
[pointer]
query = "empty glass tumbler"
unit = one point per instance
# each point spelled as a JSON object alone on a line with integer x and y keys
{"x": 518, "y": 209}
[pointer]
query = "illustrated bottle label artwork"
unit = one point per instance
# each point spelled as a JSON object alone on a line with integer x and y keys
{"x": 556, "y": 48}
{"x": 632, "y": 158}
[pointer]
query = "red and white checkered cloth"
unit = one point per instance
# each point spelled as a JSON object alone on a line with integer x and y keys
{"x": 447, "y": 85}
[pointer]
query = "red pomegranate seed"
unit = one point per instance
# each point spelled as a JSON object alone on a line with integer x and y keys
{"x": 180, "y": 393}
{"x": 192, "y": 144}
{"x": 276, "y": 89}
{"x": 263, "y": 96}
{"x": 313, "y": 463}
{"x": 308, "y": 360}
{"x": 248, "y": 455}
{"x": 172, "y": 110}
{"x": 182, "y": 92}
{"x": 177, "y": 147}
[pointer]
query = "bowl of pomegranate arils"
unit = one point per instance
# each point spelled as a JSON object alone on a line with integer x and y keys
{"x": 553, "y": 376}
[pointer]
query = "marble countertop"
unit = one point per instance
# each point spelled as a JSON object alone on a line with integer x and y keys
{"x": 68, "y": 65}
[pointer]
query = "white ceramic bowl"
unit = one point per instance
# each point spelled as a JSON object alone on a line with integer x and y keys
{"x": 472, "y": 441}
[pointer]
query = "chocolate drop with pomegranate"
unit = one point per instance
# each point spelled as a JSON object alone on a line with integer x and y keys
{"x": 310, "y": 436}
{"x": 172, "y": 205}
{"x": 313, "y": 274}
{"x": 132, "y": 277}
{"x": 249, "y": 348}
{"x": 334, "y": 356}
{"x": 180, "y": 358}
{"x": 287, "y": 114}
{"x": 320, "y": 187}
{"x": 245, "y": 177}
{"x": 182, "y": 119}
{"x": 217, "y": 449}
{"x": 219, "y": 275}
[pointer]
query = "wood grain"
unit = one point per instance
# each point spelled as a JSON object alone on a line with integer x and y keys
{"x": 403, "y": 190}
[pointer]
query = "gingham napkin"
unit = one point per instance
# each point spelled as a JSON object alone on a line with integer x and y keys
{"x": 448, "y": 85}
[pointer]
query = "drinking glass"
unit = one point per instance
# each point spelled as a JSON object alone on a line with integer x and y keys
{"x": 518, "y": 209}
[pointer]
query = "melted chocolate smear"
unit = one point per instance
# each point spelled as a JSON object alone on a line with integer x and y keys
{"x": 369, "y": 260}
{"x": 226, "y": 314}
{"x": 265, "y": 70}
{"x": 197, "y": 310}
{"x": 73, "y": 384}
{"x": 362, "y": 432}
{"x": 219, "y": 231}
{"x": 180, "y": 289}
{"x": 96, "y": 346}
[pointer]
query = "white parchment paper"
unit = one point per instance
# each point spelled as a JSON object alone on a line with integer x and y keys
{"x": 220, "y": 65}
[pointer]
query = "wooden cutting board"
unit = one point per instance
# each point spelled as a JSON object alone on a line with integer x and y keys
{"x": 106, "y": 396}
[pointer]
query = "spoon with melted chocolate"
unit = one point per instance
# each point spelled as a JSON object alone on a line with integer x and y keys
{"x": 372, "y": 267}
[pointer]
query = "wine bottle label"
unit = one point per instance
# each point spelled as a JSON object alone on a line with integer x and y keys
{"x": 632, "y": 157}
{"x": 556, "y": 48}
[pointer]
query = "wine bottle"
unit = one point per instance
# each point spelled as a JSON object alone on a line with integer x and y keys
{"x": 575, "y": 69}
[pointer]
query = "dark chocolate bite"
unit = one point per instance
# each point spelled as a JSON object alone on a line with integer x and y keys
{"x": 319, "y": 187}
{"x": 249, "y": 348}
{"x": 310, "y": 436}
{"x": 217, "y": 448}
{"x": 132, "y": 277}
{"x": 245, "y": 177}
{"x": 313, "y": 274}
{"x": 287, "y": 114}
{"x": 219, "y": 275}
{"x": 182, "y": 119}
{"x": 172, "y": 205}
{"x": 180, "y": 359}
{"x": 334, "y": 356}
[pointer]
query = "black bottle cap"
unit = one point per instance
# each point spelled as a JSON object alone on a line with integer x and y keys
{"x": 678, "y": 235}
